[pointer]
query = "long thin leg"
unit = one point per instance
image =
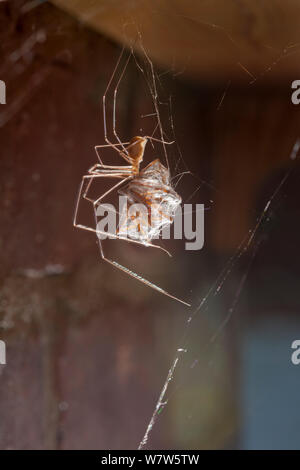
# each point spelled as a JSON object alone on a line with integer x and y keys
{"x": 120, "y": 168}
{"x": 180, "y": 176}
{"x": 96, "y": 202}
{"x": 91, "y": 179}
{"x": 104, "y": 104}
{"x": 118, "y": 237}
{"x": 114, "y": 172}
{"x": 84, "y": 193}
{"x": 97, "y": 231}
{"x": 115, "y": 100}
{"x": 109, "y": 145}
{"x": 125, "y": 155}
{"x": 154, "y": 94}
{"x": 159, "y": 140}
{"x": 138, "y": 277}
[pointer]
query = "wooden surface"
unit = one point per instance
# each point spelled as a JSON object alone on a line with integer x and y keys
{"x": 239, "y": 40}
{"x": 88, "y": 349}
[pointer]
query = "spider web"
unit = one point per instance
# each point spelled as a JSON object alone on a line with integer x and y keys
{"x": 185, "y": 361}
{"x": 251, "y": 244}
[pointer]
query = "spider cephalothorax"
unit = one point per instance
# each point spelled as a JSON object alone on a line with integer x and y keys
{"x": 136, "y": 150}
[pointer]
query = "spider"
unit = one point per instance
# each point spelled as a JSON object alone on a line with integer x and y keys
{"x": 150, "y": 186}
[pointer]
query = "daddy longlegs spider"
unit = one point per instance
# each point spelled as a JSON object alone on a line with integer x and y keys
{"x": 132, "y": 152}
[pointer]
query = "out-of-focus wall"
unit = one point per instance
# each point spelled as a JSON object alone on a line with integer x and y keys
{"x": 88, "y": 349}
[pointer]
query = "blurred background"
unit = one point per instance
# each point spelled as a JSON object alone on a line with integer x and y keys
{"x": 89, "y": 348}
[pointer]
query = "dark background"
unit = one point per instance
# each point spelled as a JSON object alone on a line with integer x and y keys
{"x": 88, "y": 348}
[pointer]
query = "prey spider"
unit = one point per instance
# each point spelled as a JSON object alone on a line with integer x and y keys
{"x": 150, "y": 186}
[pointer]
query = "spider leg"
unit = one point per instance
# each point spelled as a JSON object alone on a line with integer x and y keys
{"x": 159, "y": 140}
{"x": 104, "y": 106}
{"x": 122, "y": 154}
{"x": 155, "y": 96}
{"x": 137, "y": 276}
{"x": 96, "y": 202}
{"x": 91, "y": 179}
{"x": 100, "y": 166}
{"x": 115, "y": 101}
{"x": 118, "y": 237}
{"x": 83, "y": 193}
